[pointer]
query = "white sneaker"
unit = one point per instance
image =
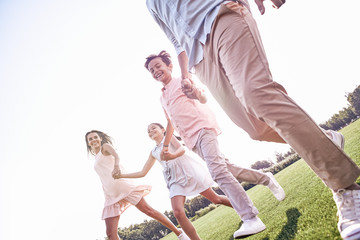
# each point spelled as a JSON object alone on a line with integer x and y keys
{"x": 183, "y": 236}
{"x": 337, "y": 138}
{"x": 275, "y": 187}
{"x": 250, "y": 227}
{"x": 348, "y": 204}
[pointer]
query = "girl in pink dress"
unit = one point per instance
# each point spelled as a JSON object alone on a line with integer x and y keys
{"x": 184, "y": 176}
{"x": 120, "y": 193}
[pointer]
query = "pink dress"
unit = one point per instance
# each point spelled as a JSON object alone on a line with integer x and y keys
{"x": 119, "y": 193}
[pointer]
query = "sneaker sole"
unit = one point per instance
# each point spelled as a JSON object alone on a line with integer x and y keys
{"x": 247, "y": 235}
{"x": 354, "y": 233}
{"x": 355, "y": 236}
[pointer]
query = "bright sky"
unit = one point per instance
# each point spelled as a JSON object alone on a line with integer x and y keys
{"x": 67, "y": 67}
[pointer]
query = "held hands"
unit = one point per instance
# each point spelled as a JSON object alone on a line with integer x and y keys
{"x": 116, "y": 173}
{"x": 165, "y": 155}
{"x": 188, "y": 88}
{"x": 191, "y": 91}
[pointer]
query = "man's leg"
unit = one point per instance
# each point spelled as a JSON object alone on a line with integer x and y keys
{"x": 234, "y": 58}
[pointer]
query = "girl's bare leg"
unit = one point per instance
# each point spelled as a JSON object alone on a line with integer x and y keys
{"x": 177, "y": 204}
{"x": 158, "y": 216}
{"x": 112, "y": 228}
{"x": 212, "y": 196}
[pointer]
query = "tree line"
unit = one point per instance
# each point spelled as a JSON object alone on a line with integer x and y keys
{"x": 346, "y": 115}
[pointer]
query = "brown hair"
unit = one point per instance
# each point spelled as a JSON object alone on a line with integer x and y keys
{"x": 104, "y": 139}
{"x": 165, "y": 57}
{"x": 158, "y": 124}
{"x": 161, "y": 126}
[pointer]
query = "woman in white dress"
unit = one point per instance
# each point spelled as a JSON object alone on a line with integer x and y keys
{"x": 120, "y": 193}
{"x": 184, "y": 176}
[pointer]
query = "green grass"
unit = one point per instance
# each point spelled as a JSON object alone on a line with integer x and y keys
{"x": 308, "y": 212}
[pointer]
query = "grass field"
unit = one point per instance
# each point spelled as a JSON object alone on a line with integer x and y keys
{"x": 308, "y": 212}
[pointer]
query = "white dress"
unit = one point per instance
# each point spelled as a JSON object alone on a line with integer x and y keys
{"x": 119, "y": 193}
{"x": 184, "y": 175}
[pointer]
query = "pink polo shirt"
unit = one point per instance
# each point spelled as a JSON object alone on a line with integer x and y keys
{"x": 188, "y": 116}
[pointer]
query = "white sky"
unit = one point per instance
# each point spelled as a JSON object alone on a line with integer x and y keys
{"x": 67, "y": 67}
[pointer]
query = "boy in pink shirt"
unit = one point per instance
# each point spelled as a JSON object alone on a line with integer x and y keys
{"x": 196, "y": 124}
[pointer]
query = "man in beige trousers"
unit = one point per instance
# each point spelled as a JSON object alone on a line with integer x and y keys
{"x": 220, "y": 40}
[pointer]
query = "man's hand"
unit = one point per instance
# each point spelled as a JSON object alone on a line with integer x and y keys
{"x": 191, "y": 91}
{"x": 188, "y": 88}
{"x": 260, "y": 4}
{"x": 276, "y": 4}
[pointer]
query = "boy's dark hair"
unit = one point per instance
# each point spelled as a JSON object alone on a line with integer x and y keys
{"x": 165, "y": 57}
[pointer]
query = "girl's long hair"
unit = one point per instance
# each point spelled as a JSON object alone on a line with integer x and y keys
{"x": 104, "y": 139}
{"x": 161, "y": 126}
